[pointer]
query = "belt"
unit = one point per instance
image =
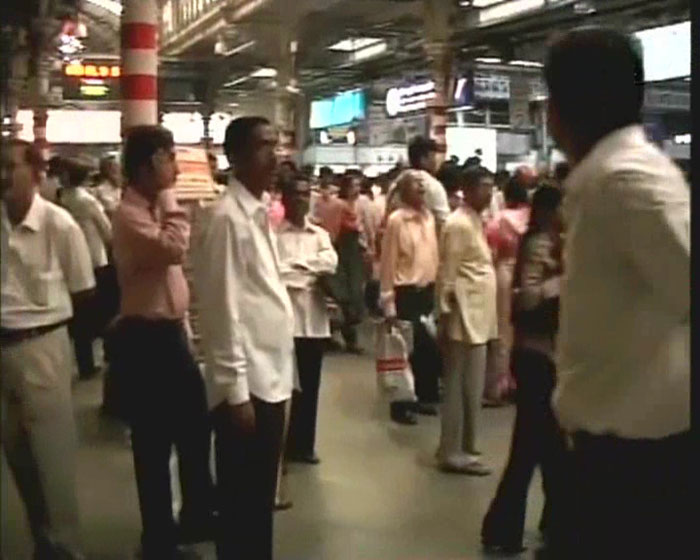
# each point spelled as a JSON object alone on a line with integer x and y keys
{"x": 15, "y": 336}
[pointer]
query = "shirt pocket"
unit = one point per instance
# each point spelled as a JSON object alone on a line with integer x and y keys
{"x": 45, "y": 288}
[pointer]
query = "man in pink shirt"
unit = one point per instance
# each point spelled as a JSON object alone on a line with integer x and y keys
{"x": 164, "y": 391}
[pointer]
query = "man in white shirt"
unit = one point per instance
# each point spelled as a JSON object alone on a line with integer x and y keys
{"x": 109, "y": 191}
{"x": 623, "y": 388}
{"x": 422, "y": 155}
{"x": 91, "y": 218}
{"x": 306, "y": 255}
{"x": 247, "y": 323}
{"x": 46, "y": 275}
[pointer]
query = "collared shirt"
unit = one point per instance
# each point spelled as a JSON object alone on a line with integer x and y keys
{"x": 409, "y": 254}
{"x": 328, "y": 213}
{"x": 91, "y": 218}
{"x": 109, "y": 196}
{"x": 150, "y": 244}
{"x": 624, "y": 338}
{"x": 466, "y": 287}
{"x": 246, "y": 316}
{"x": 44, "y": 260}
{"x": 306, "y": 254}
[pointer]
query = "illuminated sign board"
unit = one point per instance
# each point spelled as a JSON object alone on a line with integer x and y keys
{"x": 91, "y": 81}
{"x": 414, "y": 97}
{"x": 92, "y": 70}
{"x": 341, "y": 109}
{"x": 666, "y": 51}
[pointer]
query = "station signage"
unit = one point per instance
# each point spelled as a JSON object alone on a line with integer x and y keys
{"x": 91, "y": 81}
{"x": 406, "y": 99}
{"x": 491, "y": 87}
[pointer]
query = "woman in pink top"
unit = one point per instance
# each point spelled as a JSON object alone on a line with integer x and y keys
{"x": 503, "y": 233}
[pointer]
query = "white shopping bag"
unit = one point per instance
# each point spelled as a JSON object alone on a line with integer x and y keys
{"x": 394, "y": 375}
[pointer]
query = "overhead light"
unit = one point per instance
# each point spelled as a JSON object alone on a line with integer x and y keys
{"x": 369, "y": 52}
{"x": 525, "y": 63}
{"x": 506, "y": 10}
{"x": 353, "y": 44}
{"x": 584, "y": 8}
{"x": 234, "y": 50}
{"x": 264, "y": 73}
{"x": 480, "y": 3}
{"x": 236, "y": 81}
{"x": 489, "y": 60}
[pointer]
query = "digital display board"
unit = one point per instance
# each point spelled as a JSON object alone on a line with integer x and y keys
{"x": 341, "y": 109}
{"x": 91, "y": 81}
{"x": 666, "y": 51}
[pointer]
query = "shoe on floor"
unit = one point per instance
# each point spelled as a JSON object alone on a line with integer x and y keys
{"x": 472, "y": 467}
{"x": 426, "y": 409}
{"x": 503, "y": 549}
{"x": 307, "y": 458}
{"x": 401, "y": 413}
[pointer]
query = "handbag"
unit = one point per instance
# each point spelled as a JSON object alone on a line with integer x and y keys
{"x": 393, "y": 346}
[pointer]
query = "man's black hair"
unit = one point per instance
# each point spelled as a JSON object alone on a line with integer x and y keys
{"x": 325, "y": 170}
{"x": 595, "y": 78}
{"x": 238, "y": 135}
{"x": 514, "y": 192}
{"x": 473, "y": 175}
{"x": 77, "y": 173}
{"x": 419, "y": 148}
{"x": 561, "y": 171}
{"x": 451, "y": 177}
{"x": 142, "y": 142}
{"x": 546, "y": 197}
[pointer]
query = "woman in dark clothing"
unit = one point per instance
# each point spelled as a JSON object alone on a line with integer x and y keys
{"x": 536, "y": 438}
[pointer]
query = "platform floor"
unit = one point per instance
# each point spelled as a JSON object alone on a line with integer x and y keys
{"x": 376, "y": 494}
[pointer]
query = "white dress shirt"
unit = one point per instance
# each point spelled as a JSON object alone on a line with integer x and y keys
{"x": 245, "y": 314}
{"x": 305, "y": 254}
{"x": 88, "y": 212}
{"x": 108, "y": 196}
{"x": 624, "y": 340}
{"x": 44, "y": 260}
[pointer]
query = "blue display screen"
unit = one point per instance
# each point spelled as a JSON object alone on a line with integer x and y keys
{"x": 341, "y": 109}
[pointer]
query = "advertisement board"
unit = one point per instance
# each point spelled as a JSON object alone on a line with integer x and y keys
{"x": 194, "y": 181}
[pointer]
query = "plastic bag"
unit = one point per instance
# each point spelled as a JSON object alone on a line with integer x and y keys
{"x": 394, "y": 375}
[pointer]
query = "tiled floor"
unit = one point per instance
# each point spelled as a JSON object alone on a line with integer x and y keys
{"x": 376, "y": 495}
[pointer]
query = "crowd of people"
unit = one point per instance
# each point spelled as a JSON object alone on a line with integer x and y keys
{"x": 565, "y": 292}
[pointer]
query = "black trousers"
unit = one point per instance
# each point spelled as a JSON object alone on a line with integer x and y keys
{"x": 301, "y": 439}
{"x": 536, "y": 441}
{"x": 634, "y": 498}
{"x": 167, "y": 406}
{"x": 246, "y": 473}
{"x": 426, "y": 362}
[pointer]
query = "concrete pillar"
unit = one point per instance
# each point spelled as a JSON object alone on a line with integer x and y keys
{"x": 440, "y": 56}
{"x": 139, "y": 47}
{"x": 285, "y": 95}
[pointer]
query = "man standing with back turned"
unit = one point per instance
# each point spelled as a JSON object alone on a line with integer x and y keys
{"x": 247, "y": 323}
{"x": 623, "y": 389}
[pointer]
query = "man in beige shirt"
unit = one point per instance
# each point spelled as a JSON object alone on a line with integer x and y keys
{"x": 466, "y": 296}
{"x": 407, "y": 283}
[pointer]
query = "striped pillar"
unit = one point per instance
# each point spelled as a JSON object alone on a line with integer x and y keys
{"x": 139, "y": 78}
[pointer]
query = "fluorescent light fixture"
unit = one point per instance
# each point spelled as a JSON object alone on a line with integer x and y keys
{"x": 353, "y": 44}
{"x": 237, "y": 49}
{"x": 525, "y": 63}
{"x": 488, "y": 60}
{"x": 369, "y": 52}
{"x": 460, "y": 88}
{"x": 478, "y": 3}
{"x": 236, "y": 81}
{"x": 264, "y": 73}
{"x": 508, "y": 9}
{"x": 109, "y": 5}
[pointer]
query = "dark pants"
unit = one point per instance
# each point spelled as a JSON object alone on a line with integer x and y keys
{"x": 634, "y": 498}
{"x": 413, "y": 302}
{"x": 536, "y": 440}
{"x": 167, "y": 406}
{"x": 83, "y": 335}
{"x": 246, "y": 472}
{"x": 302, "y": 425}
{"x": 349, "y": 279}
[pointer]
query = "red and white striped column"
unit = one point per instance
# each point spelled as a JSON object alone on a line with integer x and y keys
{"x": 139, "y": 78}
